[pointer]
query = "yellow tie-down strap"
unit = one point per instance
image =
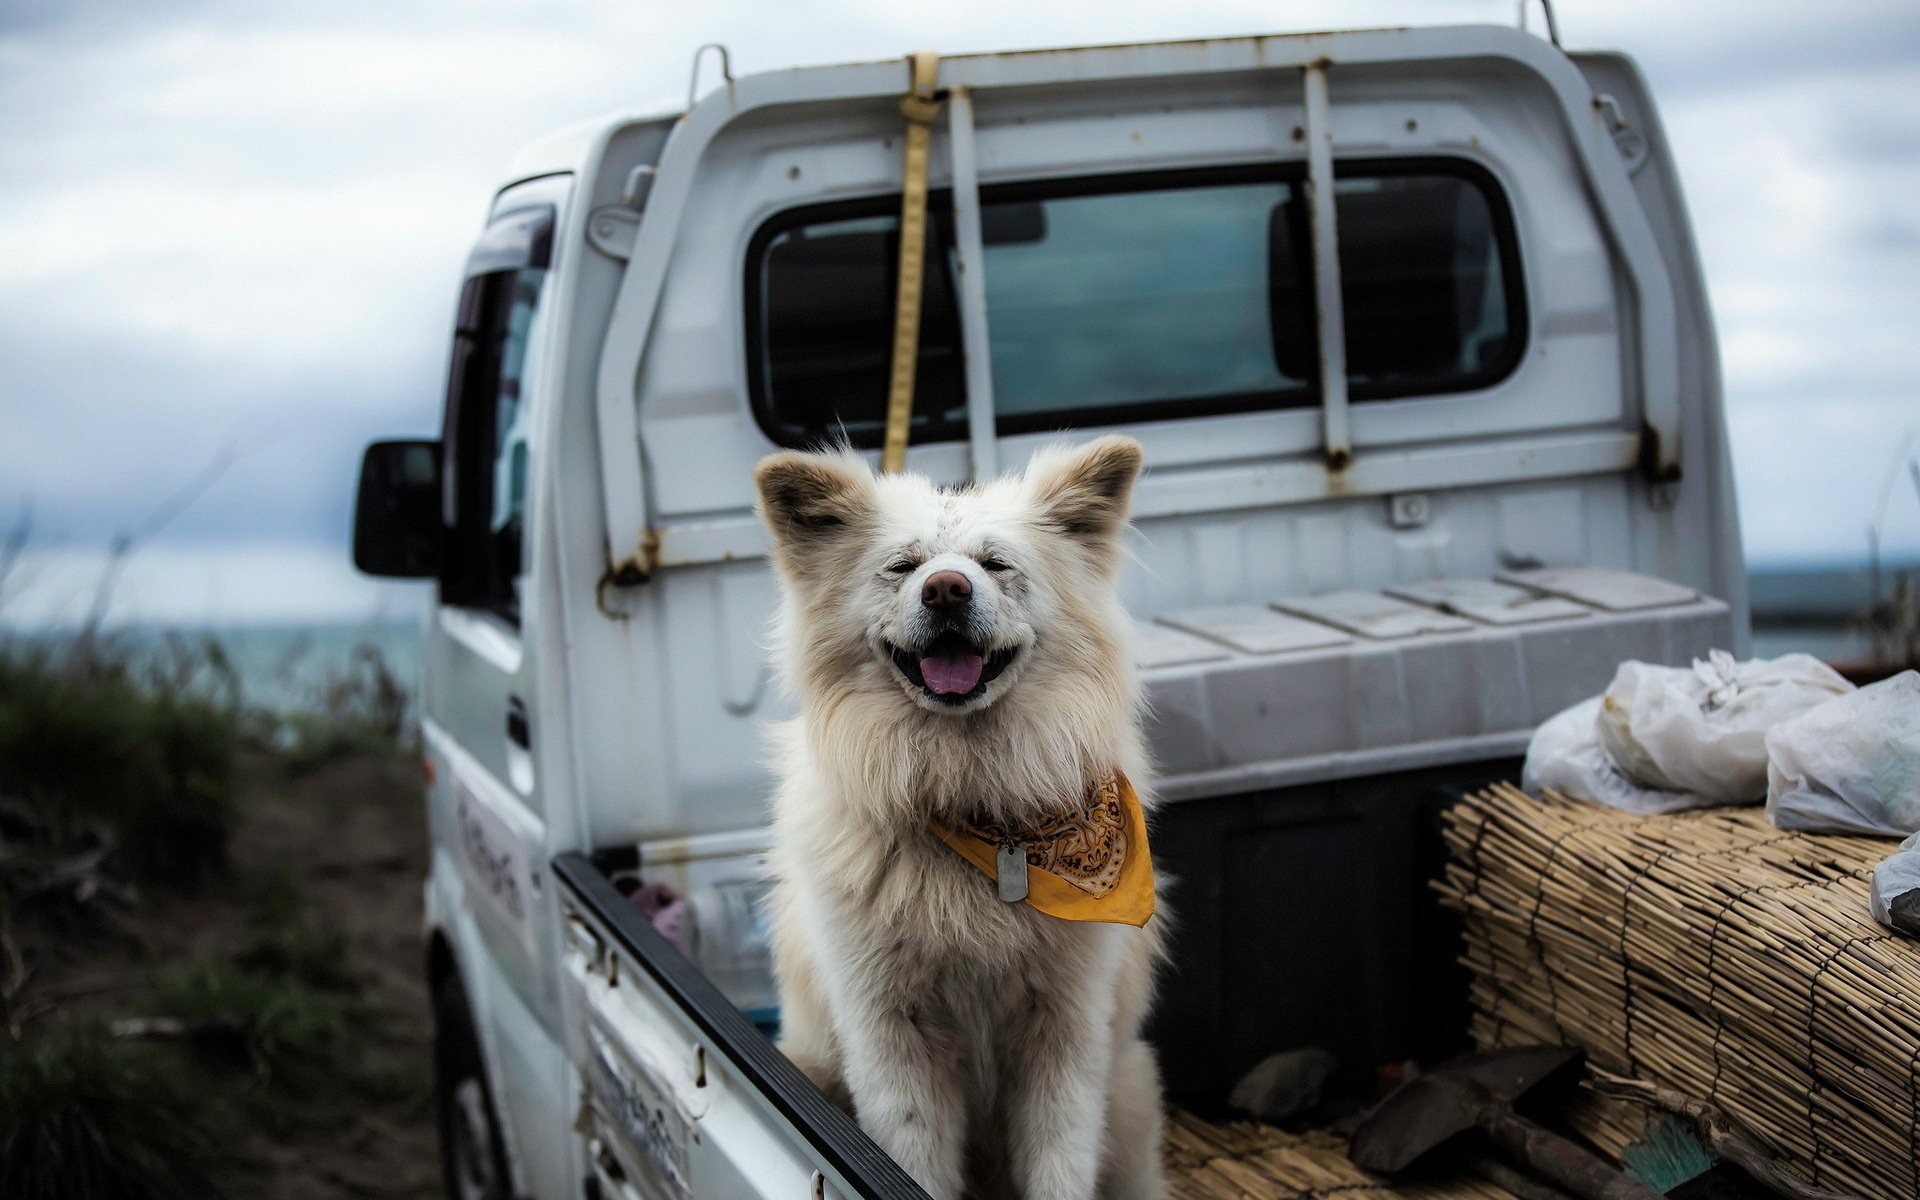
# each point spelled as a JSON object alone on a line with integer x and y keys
{"x": 920, "y": 106}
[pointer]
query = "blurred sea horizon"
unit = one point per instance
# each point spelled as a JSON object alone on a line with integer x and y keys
{"x": 1818, "y": 610}
{"x": 282, "y": 667}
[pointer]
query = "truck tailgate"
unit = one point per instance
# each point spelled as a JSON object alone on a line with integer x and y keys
{"x": 681, "y": 1095}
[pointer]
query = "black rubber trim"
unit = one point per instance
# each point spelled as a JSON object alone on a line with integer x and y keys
{"x": 520, "y": 240}
{"x": 832, "y": 1134}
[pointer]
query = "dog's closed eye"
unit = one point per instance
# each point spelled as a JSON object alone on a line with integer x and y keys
{"x": 995, "y": 564}
{"x": 902, "y": 567}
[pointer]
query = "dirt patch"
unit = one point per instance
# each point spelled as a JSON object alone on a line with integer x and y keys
{"x": 325, "y": 862}
{"x": 353, "y": 837}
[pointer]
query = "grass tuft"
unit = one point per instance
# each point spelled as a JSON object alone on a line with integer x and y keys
{"x": 89, "y": 740}
{"x": 287, "y": 944}
{"x": 289, "y": 1004}
{"x": 85, "y": 1118}
{"x": 285, "y": 1031}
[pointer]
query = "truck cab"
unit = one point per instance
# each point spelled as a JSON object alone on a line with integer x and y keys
{"x": 1412, "y": 328}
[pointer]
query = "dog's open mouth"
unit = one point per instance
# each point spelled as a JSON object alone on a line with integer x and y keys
{"x": 951, "y": 669}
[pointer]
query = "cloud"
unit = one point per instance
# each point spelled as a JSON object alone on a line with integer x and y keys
{"x": 1729, "y": 46}
{"x": 1815, "y": 496}
{"x": 100, "y": 431}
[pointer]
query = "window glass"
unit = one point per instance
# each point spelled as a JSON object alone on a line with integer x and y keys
{"x": 488, "y": 425}
{"x": 1139, "y": 299}
{"x": 826, "y": 296}
{"x": 510, "y": 413}
{"x": 1422, "y": 284}
{"x": 1133, "y": 298}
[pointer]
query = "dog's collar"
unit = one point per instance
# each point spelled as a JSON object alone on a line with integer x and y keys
{"x": 1093, "y": 865}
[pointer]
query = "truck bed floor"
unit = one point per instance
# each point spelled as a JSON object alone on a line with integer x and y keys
{"x": 1245, "y": 1160}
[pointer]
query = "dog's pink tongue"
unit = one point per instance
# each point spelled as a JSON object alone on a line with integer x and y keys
{"x": 951, "y": 674}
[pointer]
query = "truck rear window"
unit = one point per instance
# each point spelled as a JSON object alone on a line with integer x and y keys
{"x": 1139, "y": 298}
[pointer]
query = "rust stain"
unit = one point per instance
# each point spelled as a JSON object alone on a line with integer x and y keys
{"x": 602, "y": 595}
{"x": 1651, "y": 452}
{"x": 630, "y": 573}
{"x": 649, "y": 556}
{"x": 1337, "y": 463}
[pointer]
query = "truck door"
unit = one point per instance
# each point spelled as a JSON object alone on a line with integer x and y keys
{"x": 480, "y": 712}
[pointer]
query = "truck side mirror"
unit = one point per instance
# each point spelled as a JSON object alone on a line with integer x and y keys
{"x": 397, "y": 527}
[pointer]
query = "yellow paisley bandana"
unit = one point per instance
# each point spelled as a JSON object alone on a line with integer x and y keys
{"x": 1091, "y": 866}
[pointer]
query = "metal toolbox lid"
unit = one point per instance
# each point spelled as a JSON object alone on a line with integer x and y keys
{"x": 1252, "y": 629}
{"x": 1362, "y": 683}
{"x": 1601, "y": 587}
{"x": 1488, "y": 602}
{"x": 1373, "y": 615}
{"x": 1158, "y": 646}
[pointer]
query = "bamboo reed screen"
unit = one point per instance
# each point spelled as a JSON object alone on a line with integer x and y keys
{"x": 1707, "y": 951}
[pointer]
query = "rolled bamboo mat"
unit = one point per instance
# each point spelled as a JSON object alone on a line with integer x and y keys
{"x": 1708, "y": 951}
{"x": 1249, "y": 1161}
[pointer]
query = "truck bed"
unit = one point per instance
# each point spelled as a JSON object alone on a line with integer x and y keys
{"x": 1206, "y": 1160}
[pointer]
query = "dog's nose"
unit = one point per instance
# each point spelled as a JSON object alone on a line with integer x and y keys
{"x": 946, "y": 589}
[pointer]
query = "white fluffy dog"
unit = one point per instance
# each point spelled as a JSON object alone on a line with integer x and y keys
{"x": 961, "y": 663}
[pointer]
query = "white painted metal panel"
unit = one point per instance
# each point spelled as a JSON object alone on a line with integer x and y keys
{"x": 1179, "y": 106}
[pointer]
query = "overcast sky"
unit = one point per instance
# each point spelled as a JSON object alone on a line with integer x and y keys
{"x": 241, "y": 224}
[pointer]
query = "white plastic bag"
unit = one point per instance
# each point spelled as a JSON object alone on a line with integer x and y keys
{"x": 1852, "y": 765}
{"x": 1703, "y": 729}
{"x": 1566, "y": 755}
{"x": 1894, "y": 897}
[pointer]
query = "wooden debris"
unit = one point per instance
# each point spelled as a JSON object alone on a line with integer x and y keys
{"x": 1708, "y": 952}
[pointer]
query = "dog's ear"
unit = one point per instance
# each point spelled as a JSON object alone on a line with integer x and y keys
{"x": 807, "y": 497}
{"x": 1085, "y": 491}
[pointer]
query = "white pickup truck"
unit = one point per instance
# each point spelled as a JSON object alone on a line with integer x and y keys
{"x": 1411, "y": 325}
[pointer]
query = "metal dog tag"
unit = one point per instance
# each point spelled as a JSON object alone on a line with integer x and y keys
{"x": 1010, "y": 872}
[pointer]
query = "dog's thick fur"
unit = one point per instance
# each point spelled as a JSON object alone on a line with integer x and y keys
{"x": 991, "y": 1050}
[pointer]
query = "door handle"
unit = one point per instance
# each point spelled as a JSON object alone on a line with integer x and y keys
{"x": 518, "y": 731}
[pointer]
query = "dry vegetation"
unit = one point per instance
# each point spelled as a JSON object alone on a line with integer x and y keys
{"x": 210, "y": 976}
